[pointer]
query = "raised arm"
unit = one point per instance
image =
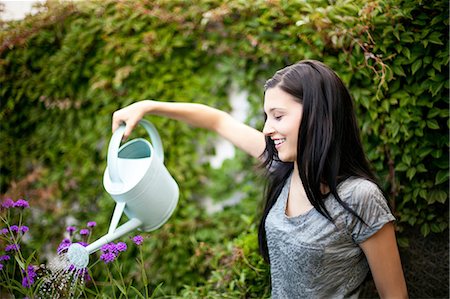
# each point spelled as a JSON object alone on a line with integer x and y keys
{"x": 241, "y": 135}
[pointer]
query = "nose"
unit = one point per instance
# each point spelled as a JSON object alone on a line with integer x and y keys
{"x": 267, "y": 129}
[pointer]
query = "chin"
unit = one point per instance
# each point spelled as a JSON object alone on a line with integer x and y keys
{"x": 286, "y": 158}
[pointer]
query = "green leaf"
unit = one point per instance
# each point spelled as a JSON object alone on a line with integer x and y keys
{"x": 437, "y": 64}
{"x": 433, "y": 112}
{"x": 411, "y": 173}
{"x": 425, "y": 229}
{"x": 398, "y": 70}
{"x": 119, "y": 286}
{"x": 441, "y": 177}
{"x": 432, "y": 124}
{"x": 436, "y": 196}
{"x": 406, "y": 159}
{"x": 407, "y": 53}
{"x": 416, "y": 65}
{"x": 424, "y": 151}
{"x": 401, "y": 167}
{"x": 435, "y": 38}
{"x": 21, "y": 264}
{"x": 137, "y": 292}
{"x": 421, "y": 168}
{"x": 403, "y": 242}
{"x": 435, "y": 228}
{"x": 406, "y": 37}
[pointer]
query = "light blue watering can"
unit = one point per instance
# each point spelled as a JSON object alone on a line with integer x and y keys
{"x": 138, "y": 181}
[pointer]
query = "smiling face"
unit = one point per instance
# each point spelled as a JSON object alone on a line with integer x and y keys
{"x": 284, "y": 114}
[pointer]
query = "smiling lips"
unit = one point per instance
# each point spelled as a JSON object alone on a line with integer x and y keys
{"x": 279, "y": 142}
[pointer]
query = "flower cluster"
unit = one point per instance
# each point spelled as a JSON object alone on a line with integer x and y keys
{"x": 138, "y": 240}
{"x": 29, "y": 276}
{"x": 111, "y": 251}
{"x": 12, "y": 234}
{"x": 84, "y": 232}
{"x": 9, "y": 203}
{"x": 16, "y": 229}
{"x": 63, "y": 246}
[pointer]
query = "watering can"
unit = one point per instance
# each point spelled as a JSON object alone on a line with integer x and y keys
{"x": 138, "y": 181}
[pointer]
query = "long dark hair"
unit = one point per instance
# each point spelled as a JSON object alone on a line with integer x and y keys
{"x": 329, "y": 148}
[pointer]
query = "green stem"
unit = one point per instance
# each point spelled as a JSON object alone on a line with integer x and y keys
{"x": 111, "y": 281}
{"x": 121, "y": 276}
{"x": 93, "y": 281}
{"x": 144, "y": 274}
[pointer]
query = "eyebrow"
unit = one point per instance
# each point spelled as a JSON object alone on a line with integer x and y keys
{"x": 277, "y": 108}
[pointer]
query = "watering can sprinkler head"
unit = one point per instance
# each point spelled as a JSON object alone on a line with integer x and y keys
{"x": 78, "y": 256}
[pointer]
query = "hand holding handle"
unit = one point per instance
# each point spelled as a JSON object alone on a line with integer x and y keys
{"x": 114, "y": 144}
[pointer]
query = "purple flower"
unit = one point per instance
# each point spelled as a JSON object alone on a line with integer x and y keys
{"x": 23, "y": 229}
{"x": 21, "y": 203}
{"x": 82, "y": 272}
{"x": 65, "y": 244}
{"x": 138, "y": 240}
{"x": 87, "y": 277}
{"x": 110, "y": 247}
{"x": 1, "y": 267}
{"x": 8, "y": 203}
{"x": 28, "y": 279}
{"x": 91, "y": 224}
{"x": 111, "y": 251}
{"x": 4, "y": 231}
{"x": 14, "y": 228}
{"x": 71, "y": 229}
{"x": 84, "y": 232}
{"x": 12, "y": 247}
{"x": 5, "y": 258}
{"x": 108, "y": 257}
{"x": 121, "y": 246}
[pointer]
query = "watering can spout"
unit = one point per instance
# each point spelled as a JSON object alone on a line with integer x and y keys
{"x": 124, "y": 229}
{"x": 79, "y": 255}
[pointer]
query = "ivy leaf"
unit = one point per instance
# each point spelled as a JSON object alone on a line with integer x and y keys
{"x": 403, "y": 242}
{"x": 441, "y": 177}
{"x": 436, "y": 196}
{"x": 435, "y": 38}
{"x": 432, "y": 124}
{"x": 398, "y": 70}
{"x": 401, "y": 167}
{"x": 425, "y": 229}
{"x": 411, "y": 173}
{"x": 416, "y": 65}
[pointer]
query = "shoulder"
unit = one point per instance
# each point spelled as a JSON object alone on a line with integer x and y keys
{"x": 356, "y": 191}
{"x": 367, "y": 200}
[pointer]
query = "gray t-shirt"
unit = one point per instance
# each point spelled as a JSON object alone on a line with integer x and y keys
{"x": 310, "y": 257}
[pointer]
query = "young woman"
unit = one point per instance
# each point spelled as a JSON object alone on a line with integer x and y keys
{"x": 326, "y": 221}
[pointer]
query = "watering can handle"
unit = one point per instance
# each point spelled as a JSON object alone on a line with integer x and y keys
{"x": 114, "y": 144}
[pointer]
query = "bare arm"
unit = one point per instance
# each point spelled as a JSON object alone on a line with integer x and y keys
{"x": 241, "y": 135}
{"x": 384, "y": 261}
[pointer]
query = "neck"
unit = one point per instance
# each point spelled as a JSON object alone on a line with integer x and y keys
{"x": 296, "y": 175}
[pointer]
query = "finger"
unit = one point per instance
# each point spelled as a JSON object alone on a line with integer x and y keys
{"x": 114, "y": 126}
{"x": 115, "y": 122}
{"x": 128, "y": 129}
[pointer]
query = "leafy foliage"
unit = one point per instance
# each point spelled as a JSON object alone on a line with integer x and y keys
{"x": 65, "y": 70}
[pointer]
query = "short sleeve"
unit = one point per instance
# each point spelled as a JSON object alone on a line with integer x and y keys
{"x": 368, "y": 202}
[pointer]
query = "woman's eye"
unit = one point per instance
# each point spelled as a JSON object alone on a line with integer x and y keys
{"x": 278, "y": 117}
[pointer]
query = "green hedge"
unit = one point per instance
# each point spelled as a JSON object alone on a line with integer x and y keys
{"x": 64, "y": 71}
